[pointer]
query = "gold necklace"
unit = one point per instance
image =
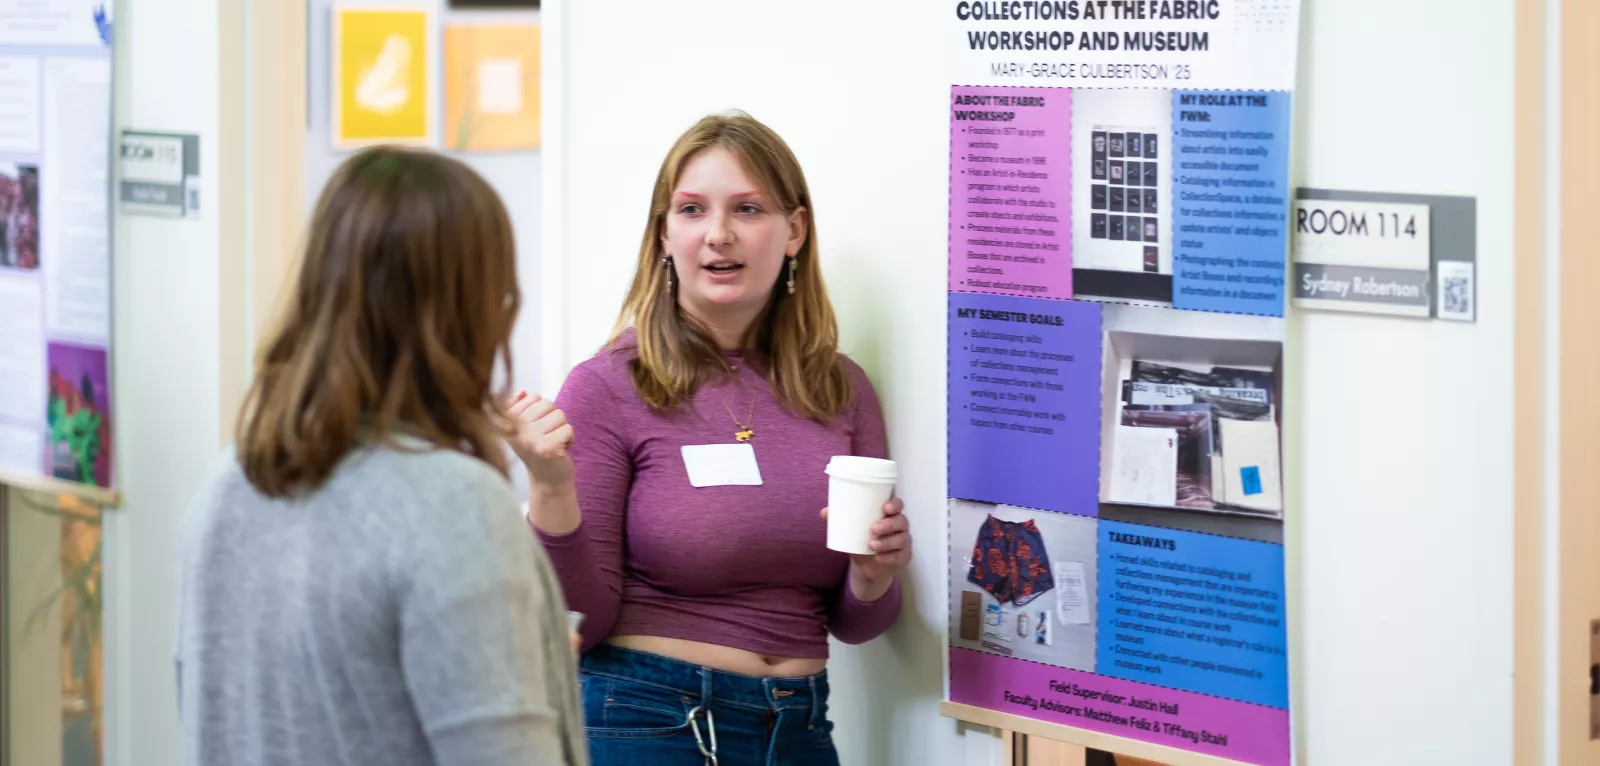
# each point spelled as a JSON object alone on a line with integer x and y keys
{"x": 747, "y": 429}
{"x": 745, "y": 432}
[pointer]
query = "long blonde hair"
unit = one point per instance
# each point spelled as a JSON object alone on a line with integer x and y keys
{"x": 406, "y": 295}
{"x": 796, "y": 335}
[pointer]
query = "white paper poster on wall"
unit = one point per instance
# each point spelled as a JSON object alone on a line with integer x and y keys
{"x": 1119, "y": 227}
{"x": 56, "y": 418}
{"x": 56, "y": 22}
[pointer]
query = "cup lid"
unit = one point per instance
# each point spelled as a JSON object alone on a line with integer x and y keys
{"x": 862, "y": 468}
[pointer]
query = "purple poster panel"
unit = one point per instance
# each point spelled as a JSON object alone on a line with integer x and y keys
{"x": 1025, "y": 402}
{"x": 1011, "y": 191}
{"x": 1235, "y": 730}
{"x": 78, "y": 415}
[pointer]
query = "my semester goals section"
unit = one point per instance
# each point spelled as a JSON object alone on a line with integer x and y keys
{"x": 1118, "y": 230}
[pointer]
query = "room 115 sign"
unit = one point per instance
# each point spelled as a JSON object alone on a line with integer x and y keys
{"x": 159, "y": 173}
{"x": 1368, "y": 257}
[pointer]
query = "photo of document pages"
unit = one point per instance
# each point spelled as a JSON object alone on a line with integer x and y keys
{"x": 1195, "y": 404}
{"x": 1072, "y": 594}
{"x": 1192, "y": 461}
{"x": 1250, "y": 465}
{"x": 1144, "y": 467}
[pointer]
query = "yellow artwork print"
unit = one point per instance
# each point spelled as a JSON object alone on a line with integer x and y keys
{"x": 381, "y": 60}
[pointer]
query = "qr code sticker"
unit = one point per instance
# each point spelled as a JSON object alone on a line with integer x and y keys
{"x": 1456, "y": 298}
{"x": 191, "y": 195}
{"x": 1455, "y": 290}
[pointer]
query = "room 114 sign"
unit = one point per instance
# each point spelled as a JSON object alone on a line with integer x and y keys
{"x": 1369, "y": 257}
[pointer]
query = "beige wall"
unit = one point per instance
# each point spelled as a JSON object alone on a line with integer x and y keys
{"x": 1579, "y": 165}
{"x": 1531, "y": 494}
{"x": 32, "y": 557}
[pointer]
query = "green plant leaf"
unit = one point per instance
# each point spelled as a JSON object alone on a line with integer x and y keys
{"x": 465, "y": 128}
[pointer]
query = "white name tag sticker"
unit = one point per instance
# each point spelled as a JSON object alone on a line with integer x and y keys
{"x": 721, "y": 465}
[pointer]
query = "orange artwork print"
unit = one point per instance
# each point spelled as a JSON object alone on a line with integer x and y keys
{"x": 491, "y": 95}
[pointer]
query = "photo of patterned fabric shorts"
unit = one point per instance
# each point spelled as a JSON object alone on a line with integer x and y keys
{"x": 1009, "y": 561}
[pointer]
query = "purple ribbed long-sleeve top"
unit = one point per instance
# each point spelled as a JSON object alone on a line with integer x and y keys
{"x": 740, "y": 566}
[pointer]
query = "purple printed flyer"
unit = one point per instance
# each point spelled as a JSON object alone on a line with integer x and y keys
{"x": 1011, "y": 191}
{"x": 1024, "y": 403}
{"x": 78, "y": 413}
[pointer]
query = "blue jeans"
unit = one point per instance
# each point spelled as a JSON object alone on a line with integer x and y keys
{"x": 647, "y": 710}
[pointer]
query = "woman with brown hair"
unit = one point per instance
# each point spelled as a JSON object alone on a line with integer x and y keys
{"x": 677, "y": 482}
{"x": 356, "y": 585}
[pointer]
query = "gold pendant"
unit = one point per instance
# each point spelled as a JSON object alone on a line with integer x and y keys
{"x": 744, "y": 435}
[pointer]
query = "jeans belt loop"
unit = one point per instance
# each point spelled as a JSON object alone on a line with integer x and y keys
{"x": 815, "y": 719}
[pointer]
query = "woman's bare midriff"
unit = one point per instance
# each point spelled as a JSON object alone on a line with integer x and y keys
{"x": 719, "y": 657}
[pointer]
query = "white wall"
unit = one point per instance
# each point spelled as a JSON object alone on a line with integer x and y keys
{"x": 1404, "y": 430}
{"x": 166, "y": 363}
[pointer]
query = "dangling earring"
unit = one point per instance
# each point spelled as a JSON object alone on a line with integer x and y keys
{"x": 792, "y": 261}
{"x": 667, "y": 264}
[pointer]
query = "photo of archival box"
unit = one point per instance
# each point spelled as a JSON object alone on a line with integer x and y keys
{"x": 1191, "y": 420}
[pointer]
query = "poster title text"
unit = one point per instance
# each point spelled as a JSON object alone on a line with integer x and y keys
{"x": 1088, "y": 11}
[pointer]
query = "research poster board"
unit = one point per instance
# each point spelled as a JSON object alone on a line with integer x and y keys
{"x": 56, "y": 419}
{"x": 1119, "y": 229}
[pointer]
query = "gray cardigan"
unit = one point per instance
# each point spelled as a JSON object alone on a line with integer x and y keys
{"x": 402, "y": 614}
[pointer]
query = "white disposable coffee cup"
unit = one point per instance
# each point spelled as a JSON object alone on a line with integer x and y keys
{"x": 857, "y": 489}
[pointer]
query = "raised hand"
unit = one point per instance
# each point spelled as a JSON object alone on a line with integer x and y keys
{"x": 541, "y": 440}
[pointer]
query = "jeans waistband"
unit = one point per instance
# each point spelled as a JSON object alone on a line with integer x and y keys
{"x": 704, "y": 683}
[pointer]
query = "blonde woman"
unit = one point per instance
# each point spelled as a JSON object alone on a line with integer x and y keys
{"x": 709, "y": 598}
{"x": 356, "y": 585}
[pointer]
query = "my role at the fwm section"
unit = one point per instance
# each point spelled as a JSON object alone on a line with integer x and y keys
{"x": 1132, "y": 721}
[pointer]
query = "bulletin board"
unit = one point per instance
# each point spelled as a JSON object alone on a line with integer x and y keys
{"x": 1118, "y": 243}
{"x": 56, "y": 416}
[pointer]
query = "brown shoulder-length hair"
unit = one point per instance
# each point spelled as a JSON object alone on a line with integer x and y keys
{"x": 796, "y": 337}
{"x": 405, "y": 297}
